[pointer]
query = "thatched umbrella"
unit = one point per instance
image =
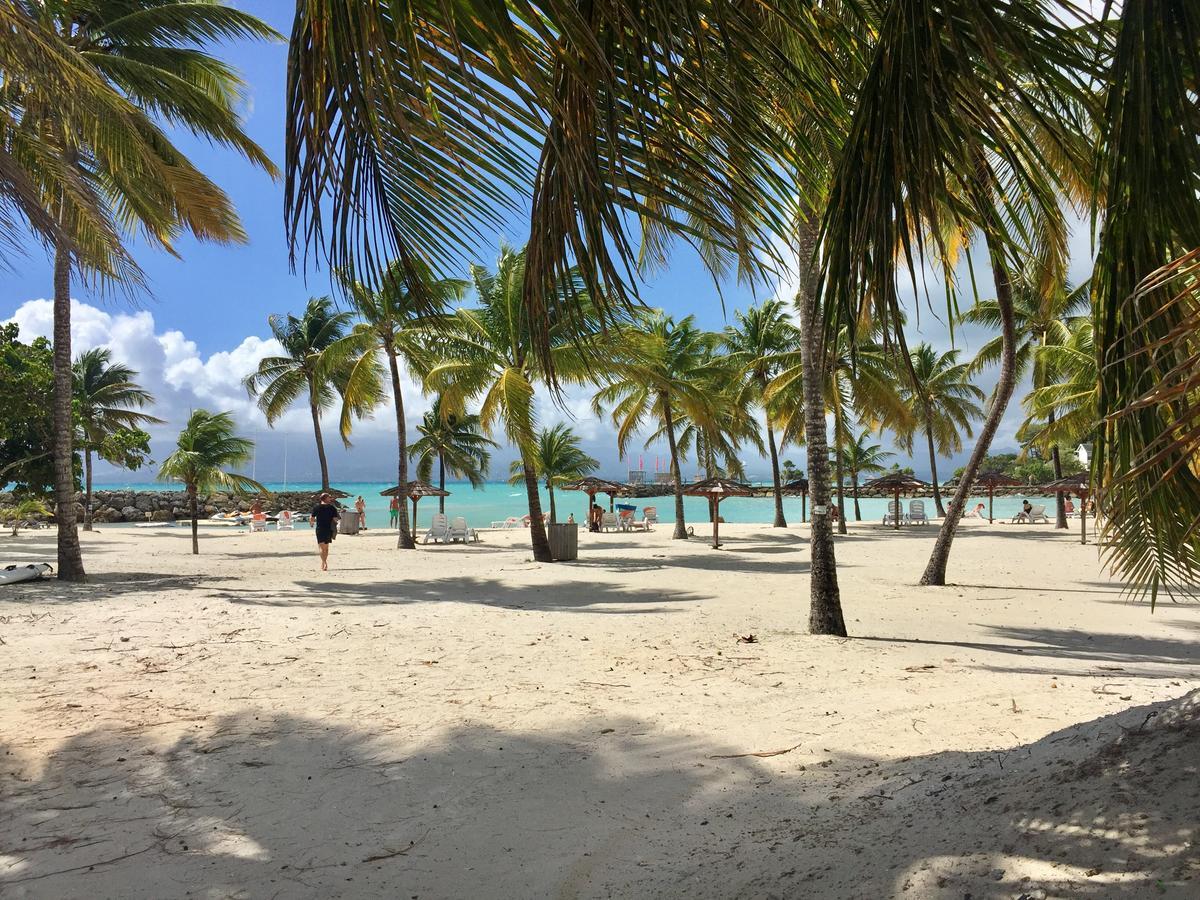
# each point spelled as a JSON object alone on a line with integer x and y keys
{"x": 414, "y": 491}
{"x": 991, "y": 481}
{"x": 591, "y": 485}
{"x": 897, "y": 483}
{"x": 716, "y": 490}
{"x": 800, "y": 485}
{"x": 1080, "y": 484}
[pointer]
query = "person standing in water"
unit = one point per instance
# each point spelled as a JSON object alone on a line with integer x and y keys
{"x": 325, "y": 517}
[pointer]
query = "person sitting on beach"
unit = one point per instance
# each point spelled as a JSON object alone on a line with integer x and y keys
{"x": 1069, "y": 506}
{"x": 1026, "y": 509}
{"x": 394, "y": 512}
{"x": 976, "y": 513}
{"x": 360, "y": 506}
{"x": 324, "y": 518}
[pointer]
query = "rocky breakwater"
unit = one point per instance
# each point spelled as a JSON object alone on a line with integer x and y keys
{"x": 167, "y": 506}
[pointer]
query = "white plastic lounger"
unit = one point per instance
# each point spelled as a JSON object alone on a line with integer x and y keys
{"x": 916, "y": 513}
{"x": 895, "y": 514}
{"x": 608, "y": 522}
{"x": 439, "y": 530}
{"x": 459, "y": 531}
{"x": 284, "y": 521}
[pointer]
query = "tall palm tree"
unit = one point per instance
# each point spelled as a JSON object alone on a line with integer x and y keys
{"x": 456, "y": 443}
{"x": 657, "y": 372}
{"x": 1064, "y": 412}
{"x": 1041, "y": 308}
{"x": 943, "y": 403}
{"x": 207, "y": 447}
{"x": 153, "y": 55}
{"x": 859, "y": 457}
{"x": 489, "y": 353}
{"x": 557, "y": 458}
{"x": 107, "y": 400}
{"x": 762, "y": 333}
{"x": 306, "y": 369}
{"x": 397, "y": 323}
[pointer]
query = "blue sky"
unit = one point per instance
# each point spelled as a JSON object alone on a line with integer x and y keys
{"x": 203, "y": 324}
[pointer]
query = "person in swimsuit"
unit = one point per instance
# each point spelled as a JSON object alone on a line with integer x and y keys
{"x": 360, "y": 506}
{"x": 394, "y": 512}
{"x": 324, "y": 518}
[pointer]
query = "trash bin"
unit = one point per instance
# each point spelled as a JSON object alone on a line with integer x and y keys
{"x": 348, "y": 522}
{"x": 564, "y": 541}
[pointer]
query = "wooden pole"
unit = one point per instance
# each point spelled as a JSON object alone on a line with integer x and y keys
{"x": 1083, "y": 518}
{"x": 414, "y": 518}
{"x": 991, "y": 503}
{"x": 803, "y": 507}
{"x": 716, "y": 522}
{"x": 896, "y": 517}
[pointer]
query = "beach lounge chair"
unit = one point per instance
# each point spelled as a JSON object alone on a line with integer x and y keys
{"x": 625, "y": 520}
{"x": 460, "y": 532}
{"x": 439, "y": 530}
{"x": 649, "y": 517}
{"x": 284, "y": 521}
{"x": 510, "y": 522}
{"x": 916, "y": 513}
{"x": 895, "y": 514}
{"x": 1037, "y": 513}
{"x": 608, "y": 522}
{"x": 258, "y": 522}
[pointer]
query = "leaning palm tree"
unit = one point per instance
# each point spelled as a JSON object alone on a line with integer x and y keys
{"x": 1041, "y": 308}
{"x": 307, "y": 368}
{"x": 153, "y": 55}
{"x": 557, "y": 458}
{"x": 659, "y": 371}
{"x": 859, "y": 457}
{"x": 207, "y": 447}
{"x": 456, "y": 443}
{"x": 398, "y": 326}
{"x": 489, "y": 354}
{"x": 943, "y": 403}
{"x": 763, "y": 333}
{"x": 107, "y": 400}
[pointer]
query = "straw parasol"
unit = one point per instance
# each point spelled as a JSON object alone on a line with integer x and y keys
{"x": 898, "y": 483}
{"x": 591, "y": 485}
{"x": 992, "y": 480}
{"x": 414, "y": 491}
{"x": 1080, "y": 484}
{"x": 800, "y": 485}
{"x": 716, "y": 490}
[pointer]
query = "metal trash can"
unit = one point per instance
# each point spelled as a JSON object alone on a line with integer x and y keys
{"x": 348, "y": 522}
{"x": 564, "y": 541}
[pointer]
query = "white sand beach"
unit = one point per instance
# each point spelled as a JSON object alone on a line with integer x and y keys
{"x": 462, "y": 722}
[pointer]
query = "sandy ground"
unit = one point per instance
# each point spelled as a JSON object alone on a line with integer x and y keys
{"x": 463, "y": 722}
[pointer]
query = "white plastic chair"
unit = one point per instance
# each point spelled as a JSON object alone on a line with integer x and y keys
{"x": 916, "y": 512}
{"x": 284, "y": 521}
{"x": 895, "y": 514}
{"x": 625, "y": 520}
{"x": 460, "y": 532}
{"x": 258, "y": 522}
{"x": 608, "y": 522}
{"x": 439, "y": 530}
{"x": 1038, "y": 514}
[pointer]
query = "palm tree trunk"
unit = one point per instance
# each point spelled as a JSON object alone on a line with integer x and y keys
{"x": 70, "y": 559}
{"x": 316, "y": 417}
{"x": 854, "y": 489}
{"x": 776, "y": 483}
{"x": 935, "y": 570}
{"x": 194, "y": 509}
{"x": 825, "y": 603}
{"x": 680, "y": 526}
{"x": 441, "y": 481}
{"x": 404, "y": 540}
{"x": 537, "y": 528}
{"x": 87, "y": 489}
{"x": 553, "y": 511}
{"x": 933, "y": 475}
{"x": 1060, "y": 498}
{"x": 839, "y": 439}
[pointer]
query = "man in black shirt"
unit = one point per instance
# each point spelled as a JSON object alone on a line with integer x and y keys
{"x": 324, "y": 518}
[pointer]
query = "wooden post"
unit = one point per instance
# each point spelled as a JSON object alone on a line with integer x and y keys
{"x": 896, "y": 517}
{"x": 414, "y": 518}
{"x": 991, "y": 503}
{"x": 716, "y": 522}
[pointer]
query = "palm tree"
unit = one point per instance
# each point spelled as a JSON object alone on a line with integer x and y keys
{"x": 763, "y": 333}
{"x": 659, "y": 372}
{"x": 861, "y": 458}
{"x": 1064, "y": 411}
{"x": 557, "y": 459}
{"x": 152, "y": 55}
{"x": 1041, "y": 308}
{"x": 207, "y": 447}
{"x": 942, "y": 402}
{"x": 397, "y": 323}
{"x": 20, "y": 514}
{"x": 456, "y": 443}
{"x": 489, "y": 353}
{"x": 107, "y": 400}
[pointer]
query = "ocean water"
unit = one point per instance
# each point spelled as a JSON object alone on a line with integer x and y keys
{"x": 494, "y": 502}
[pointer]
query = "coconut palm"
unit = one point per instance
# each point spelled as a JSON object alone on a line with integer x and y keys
{"x": 207, "y": 447}
{"x": 762, "y": 333}
{"x": 397, "y": 324}
{"x": 456, "y": 443}
{"x": 307, "y": 369}
{"x": 859, "y": 457}
{"x": 557, "y": 458}
{"x": 25, "y": 510}
{"x": 1063, "y": 412}
{"x": 153, "y": 55}
{"x": 1041, "y": 308}
{"x": 488, "y": 353}
{"x": 107, "y": 400}
{"x": 943, "y": 403}
{"x": 659, "y": 372}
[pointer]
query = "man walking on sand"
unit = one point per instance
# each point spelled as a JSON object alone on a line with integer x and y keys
{"x": 324, "y": 518}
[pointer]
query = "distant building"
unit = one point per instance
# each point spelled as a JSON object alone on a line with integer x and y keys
{"x": 636, "y": 476}
{"x": 663, "y": 478}
{"x": 1084, "y": 454}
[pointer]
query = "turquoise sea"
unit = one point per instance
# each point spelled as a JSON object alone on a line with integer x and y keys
{"x": 496, "y": 501}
